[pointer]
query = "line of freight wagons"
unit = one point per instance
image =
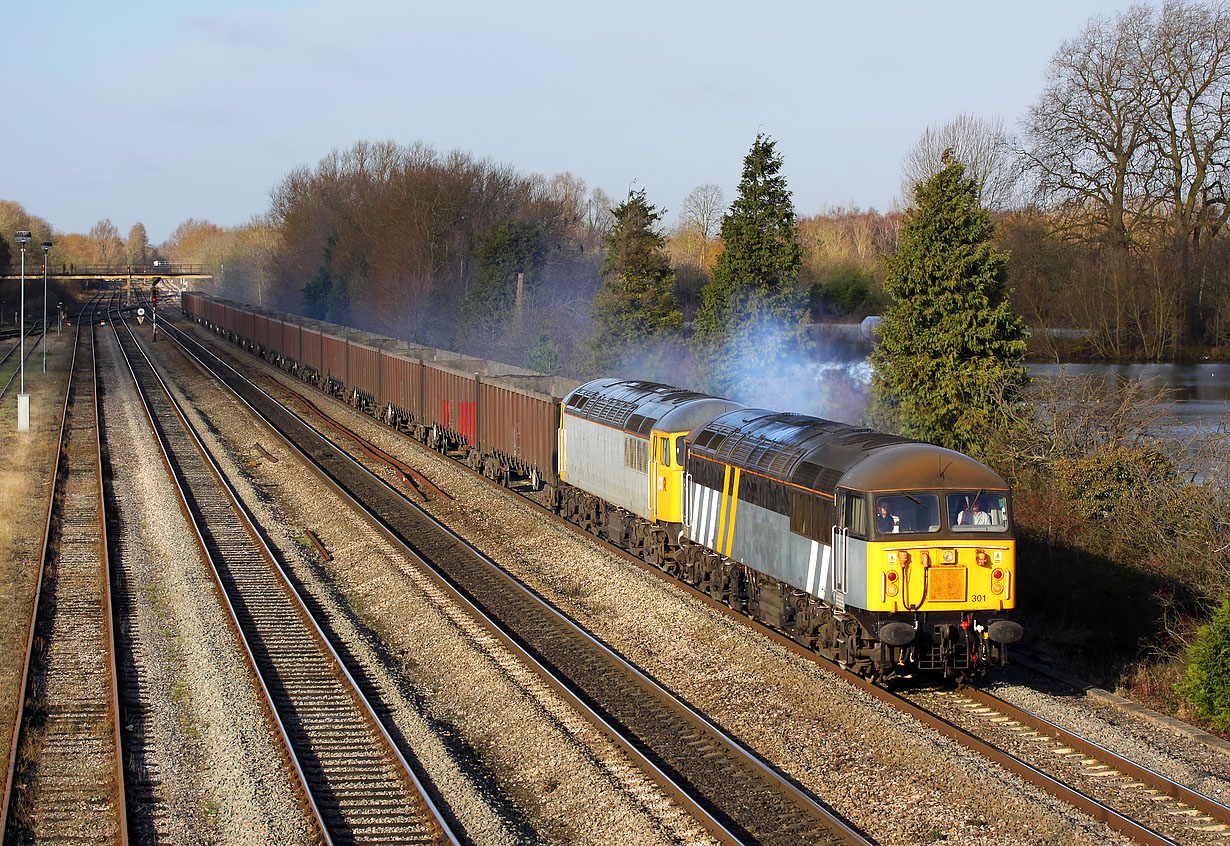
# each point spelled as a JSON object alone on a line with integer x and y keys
{"x": 508, "y": 415}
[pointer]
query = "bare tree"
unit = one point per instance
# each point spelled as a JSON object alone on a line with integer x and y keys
{"x": 1188, "y": 61}
{"x": 1131, "y": 139}
{"x": 599, "y": 215}
{"x": 702, "y": 210}
{"x": 105, "y": 238}
{"x": 981, "y": 144}
{"x": 1089, "y": 132}
{"x": 569, "y": 192}
{"x": 138, "y": 245}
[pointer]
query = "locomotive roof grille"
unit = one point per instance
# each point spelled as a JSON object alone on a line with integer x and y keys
{"x": 609, "y": 410}
{"x": 616, "y": 403}
{"x": 806, "y": 451}
{"x": 868, "y": 440}
{"x": 640, "y": 424}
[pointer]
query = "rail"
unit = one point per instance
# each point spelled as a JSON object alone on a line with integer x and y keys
{"x": 28, "y": 352}
{"x": 302, "y": 676}
{"x": 69, "y": 779}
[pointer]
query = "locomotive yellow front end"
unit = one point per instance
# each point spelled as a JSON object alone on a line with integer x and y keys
{"x": 923, "y": 560}
{"x": 941, "y": 567}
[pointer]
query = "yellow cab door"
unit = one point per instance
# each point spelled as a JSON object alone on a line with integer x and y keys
{"x": 665, "y": 478}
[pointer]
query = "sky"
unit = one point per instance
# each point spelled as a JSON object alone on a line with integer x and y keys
{"x": 157, "y": 112}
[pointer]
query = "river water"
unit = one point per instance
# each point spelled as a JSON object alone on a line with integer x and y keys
{"x": 1198, "y": 394}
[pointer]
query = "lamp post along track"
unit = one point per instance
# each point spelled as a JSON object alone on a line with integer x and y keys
{"x": 357, "y": 783}
{"x": 65, "y": 779}
{"x": 738, "y": 796}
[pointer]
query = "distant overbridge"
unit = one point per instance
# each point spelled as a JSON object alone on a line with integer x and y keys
{"x": 145, "y": 273}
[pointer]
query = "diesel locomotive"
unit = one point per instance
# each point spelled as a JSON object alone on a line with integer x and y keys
{"x": 888, "y": 555}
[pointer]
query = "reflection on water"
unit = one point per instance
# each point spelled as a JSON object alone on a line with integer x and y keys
{"x": 1197, "y": 418}
{"x": 1200, "y": 393}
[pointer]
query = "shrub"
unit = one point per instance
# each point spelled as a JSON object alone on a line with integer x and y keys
{"x": 1097, "y": 484}
{"x": 1207, "y": 686}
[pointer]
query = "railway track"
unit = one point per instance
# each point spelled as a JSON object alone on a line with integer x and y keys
{"x": 1125, "y": 789}
{"x": 357, "y": 784}
{"x": 65, "y": 781}
{"x": 735, "y": 794}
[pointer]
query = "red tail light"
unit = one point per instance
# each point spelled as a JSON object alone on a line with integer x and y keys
{"x": 997, "y": 581}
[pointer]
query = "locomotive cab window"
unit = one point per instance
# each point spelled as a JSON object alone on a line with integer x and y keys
{"x": 681, "y": 450}
{"x": 664, "y": 451}
{"x": 978, "y": 511}
{"x": 852, "y": 513}
{"x": 906, "y": 513}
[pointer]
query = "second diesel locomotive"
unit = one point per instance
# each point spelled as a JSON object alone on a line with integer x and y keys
{"x": 882, "y": 553}
{"x": 885, "y": 554}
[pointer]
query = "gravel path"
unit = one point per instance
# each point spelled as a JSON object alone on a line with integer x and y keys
{"x": 209, "y": 770}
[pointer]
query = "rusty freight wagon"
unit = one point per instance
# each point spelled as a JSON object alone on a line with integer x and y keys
{"x": 518, "y": 423}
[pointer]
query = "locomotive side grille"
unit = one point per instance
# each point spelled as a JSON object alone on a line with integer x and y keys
{"x": 636, "y": 454}
{"x": 947, "y": 584}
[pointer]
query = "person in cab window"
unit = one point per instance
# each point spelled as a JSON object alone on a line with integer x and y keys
{"x": 885, "y": 522}
{"x": 973, "y": 515}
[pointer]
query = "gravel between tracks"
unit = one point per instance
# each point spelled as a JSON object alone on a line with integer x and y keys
{"x": 900, "y": 782}
{"x": 512, "y": 761}
{"x": 210, "y": 762}
{"x": 1173, "y": 754}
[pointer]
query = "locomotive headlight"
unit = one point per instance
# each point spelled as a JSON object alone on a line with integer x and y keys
{"x": 949, "y": 556}
{"x": 997, "y": 581}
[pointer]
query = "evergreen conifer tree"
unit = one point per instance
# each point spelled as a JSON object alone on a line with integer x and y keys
{"x": 636, "y": 308}
{"x": 753, "y": 313}
{"x": 950, "y": 344}
{"x": 1207, "y": 685}
{"x": 327, "y": 296}
{"x": 515, "y": 247}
